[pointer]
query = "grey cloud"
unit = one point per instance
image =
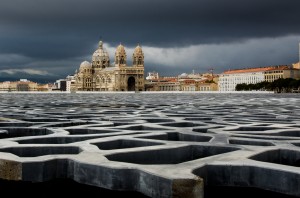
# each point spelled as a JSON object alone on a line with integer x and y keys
{"x": 9, "y": 60}
{"x": 26, "y": 71}
{"x": 221, "y": 57}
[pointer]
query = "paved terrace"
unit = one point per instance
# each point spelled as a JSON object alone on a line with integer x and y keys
{"x": 161, "y": 145}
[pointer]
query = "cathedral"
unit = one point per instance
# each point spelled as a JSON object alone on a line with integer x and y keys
{"x": 100, "y": 75}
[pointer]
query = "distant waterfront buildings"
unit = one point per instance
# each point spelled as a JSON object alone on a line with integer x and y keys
{"x": 183, "y": 82}
{"x": 60, "y": 85}
{"x": 229, "y": 79}
{"x": 156, "y": 83}
{"x": 67, "y": 84}
{"x": 21, "y": 85}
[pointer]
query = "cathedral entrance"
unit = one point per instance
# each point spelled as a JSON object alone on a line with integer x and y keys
{"x": 131, "y": 84}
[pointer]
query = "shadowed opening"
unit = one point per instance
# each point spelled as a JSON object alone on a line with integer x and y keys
{"x": 169, "y": 155}
{"x": 122, "y": 144}
{"x": 280, "y": 156}
{"x": 63, "y": 187}
{"x": 238, "y": 192}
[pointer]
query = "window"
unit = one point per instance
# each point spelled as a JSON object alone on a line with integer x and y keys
{"x": 134, "y": 60}
{"x": 140, "y": 61}
{"x": 122, "y": 61}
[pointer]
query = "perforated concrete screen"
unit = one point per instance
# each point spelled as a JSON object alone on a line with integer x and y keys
{"x": 161, "y": 145}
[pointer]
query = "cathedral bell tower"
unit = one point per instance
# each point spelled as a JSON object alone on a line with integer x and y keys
{"x": 138, "y": 57}
{"x": 120, "y": 56}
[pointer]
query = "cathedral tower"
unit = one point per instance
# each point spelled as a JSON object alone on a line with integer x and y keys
{"x": 138, "y": 57}
{"x": 120, "y": 56}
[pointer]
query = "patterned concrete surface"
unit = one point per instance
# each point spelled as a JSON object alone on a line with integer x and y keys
{"x": 162, "y": 145}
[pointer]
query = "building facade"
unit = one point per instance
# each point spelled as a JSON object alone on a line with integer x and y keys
{"x": 184, "y": 82}
{"x": 100, "y": 75}
{"x": 281, "y": 72}
{"x": 229, "y": 79}
{"x": 21, "y": 85}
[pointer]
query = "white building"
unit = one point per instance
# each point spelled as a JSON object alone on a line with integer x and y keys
{"x": 60, "y": 85}
{"x": 70, "y": 81}
{"x": 152, "y": 76}
{"x": 229, "y": 79}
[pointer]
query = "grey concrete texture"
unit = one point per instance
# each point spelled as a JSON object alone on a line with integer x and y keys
{"x": 162, "y": 145}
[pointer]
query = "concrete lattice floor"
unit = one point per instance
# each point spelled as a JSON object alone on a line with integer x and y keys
{"x": 160, "y": 145}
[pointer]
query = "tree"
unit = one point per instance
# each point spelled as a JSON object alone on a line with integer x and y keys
{"x": 279, "y": 85}
{"x": 241, "y": 87}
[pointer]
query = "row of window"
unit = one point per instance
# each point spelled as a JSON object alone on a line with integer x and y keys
{"x": 168, "y": 88}
{"x": 204, "y": 88}
{"x": 87, "y": 70}
{"x": 120, "y": 60}
{"x": 273, "y": 77}
{"x": 273, "y": 72}
{"x": 241, "y": 79}
{"x": 99, "y": 80}
{"x": 98, "y": 62}
{"x": 103, "y": 80}
{"x": 139, "y": 62}
{"x": 88, "y": 84}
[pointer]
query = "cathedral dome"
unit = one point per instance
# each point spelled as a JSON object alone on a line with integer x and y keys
{"x": 85, "y": 65}
{"x": 100, "y": 54}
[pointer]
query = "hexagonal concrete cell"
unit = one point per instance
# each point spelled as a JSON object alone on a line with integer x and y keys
{"x": 286, "y": 133}
{"x": 169, "y": 155}
{"x": 68, "y": 124}
{"x": 41, "y": 151}
{"x": 296, "y": 144}
{"x": 142, "y": 128}
{"x": 83, "y": 131}
{"x": 199, "y": 119}
{"x": 15, "y": 124}
{"x": 56, "y": 140}
{"x": 279, "y": 156}
{"x": 45, "y": 119}
{"x": 290, "y": 133}
{"x": 158, "y": 120}
{"x": 204, "y": 129}
{"x": 21, "y": 132}
{"x": 180, "y": 124}
{"x": 252, "y": 128}
{"x": 122, "y": 144}
{"x": 250, "y": 142}
{"x": 175, "y": 136}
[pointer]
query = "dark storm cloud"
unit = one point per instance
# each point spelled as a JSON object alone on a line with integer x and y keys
{"x": 156, "y": 22}
{"x": 67, "y": 29}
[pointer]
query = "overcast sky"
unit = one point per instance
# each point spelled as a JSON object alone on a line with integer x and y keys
{"x": 48, "y": 39}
